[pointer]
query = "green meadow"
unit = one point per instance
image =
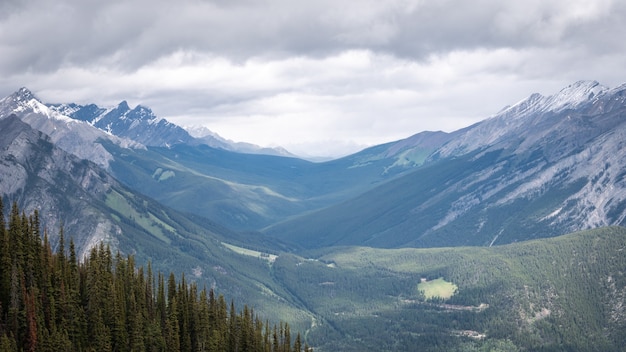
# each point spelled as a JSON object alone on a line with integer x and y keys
{"x": 438, "y": 288}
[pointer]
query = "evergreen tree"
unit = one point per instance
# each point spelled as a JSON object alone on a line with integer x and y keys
{"x": 51, "y": 301}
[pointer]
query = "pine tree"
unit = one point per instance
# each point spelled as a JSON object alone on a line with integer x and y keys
{"x": 202, "y": 317}
{"x": 5, "y": 264}
{"x": 31, "y": 338}
{"x": 54, "y": 302}
{"x": 297, "y": 346}
{"x": 171, "y": 291}
{"x": 161, "y": 305}
{"x": 172, "y": 336}
{"x": 7, "y": 343}
{"x": 233, "y": 329}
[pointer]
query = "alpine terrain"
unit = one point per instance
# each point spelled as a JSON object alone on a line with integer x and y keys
{"x": 543, "y": 167}
{"x": 506, "y": 235}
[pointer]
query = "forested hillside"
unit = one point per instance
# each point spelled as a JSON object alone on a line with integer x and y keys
{"x": 54, "y": 301}
{"x": 560, "y": 294}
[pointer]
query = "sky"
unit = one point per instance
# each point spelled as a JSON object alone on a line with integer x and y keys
{"x": 317, "y": 77}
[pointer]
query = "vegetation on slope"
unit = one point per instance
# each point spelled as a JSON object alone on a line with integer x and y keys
{"x": 560, "y": 294}
{"x": 94, "y": 207}
{"x": 244, "y": 191}
{"x": 436, "y": 289}
{"x": 54, "y": 302}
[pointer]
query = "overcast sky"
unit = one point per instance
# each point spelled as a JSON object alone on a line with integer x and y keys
{"x": 318, "y": 77}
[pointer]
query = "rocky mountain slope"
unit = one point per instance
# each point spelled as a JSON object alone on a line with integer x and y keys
{"x": 141, "y": 125}
{"x": 540, "y": 168}
{"x": 212, "y": 139}
{"x": 40, "y": 176}
{"x": 241, "y": 190}
{"x": 543, "y": 167}
{"x": 93, "y": 208}
{"x": 75, "y": 137}
{"x": 87, "y": 201}
{"x": 535, "y": 154}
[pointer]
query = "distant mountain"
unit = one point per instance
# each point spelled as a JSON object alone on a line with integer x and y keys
{"x": 243, "y": 191}
{"x": 141, "y": 125}
{"x": 543, "y": 167}
{"x": 212, "y": 139}
{"x": 538, "y": 120}
{"x": 75, "y": 137}
{"x": 250, "y": 192}
{"x": 240, "y": 190}
{"x": 551, "y": 161}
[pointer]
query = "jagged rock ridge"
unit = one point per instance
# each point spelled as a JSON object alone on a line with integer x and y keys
{"x": 74, "y": 136}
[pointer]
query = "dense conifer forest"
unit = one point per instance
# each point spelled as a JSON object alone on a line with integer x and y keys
{"x": 54, "y": 301}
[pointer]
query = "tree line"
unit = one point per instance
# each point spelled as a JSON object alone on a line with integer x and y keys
{"x": 54, "y": 301}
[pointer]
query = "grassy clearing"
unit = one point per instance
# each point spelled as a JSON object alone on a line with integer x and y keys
{"x": 270, "y": 258}
{"x": 438, "y": 288}
{"x": 147, "y": 221}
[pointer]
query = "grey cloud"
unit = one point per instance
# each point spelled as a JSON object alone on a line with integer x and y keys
{"x": 422, "y": 63}
{"x": 43, "y": 35}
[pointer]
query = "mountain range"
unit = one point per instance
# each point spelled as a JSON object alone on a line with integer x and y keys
{"x": 141, "y": 125}
{"x": 90, "y": 206}
{"x": 543, "y": 167}
{"x": 247, "y": 220}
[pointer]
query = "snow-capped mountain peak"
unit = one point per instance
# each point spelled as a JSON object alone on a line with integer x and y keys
{"x": 24, "y": 94}
{"x": 24, "y": 101}
{"x": 136, "y": 127}
{"x": 72, "y": 135}
{"x": 574, "y": 95}
{"x": 139, "y": 124}
{"x": 569, "y": 97}
{"x": 531, "y": 114}
{"x": 145, "y": 114}
{"x": 212, "y": 139}
{"x": 198, "y": 131}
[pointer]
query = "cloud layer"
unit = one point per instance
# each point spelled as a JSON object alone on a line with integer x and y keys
{"x": 318, "y": 77}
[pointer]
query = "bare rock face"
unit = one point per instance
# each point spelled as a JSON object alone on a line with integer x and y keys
{"x": 74, "y": 136}
{"x": 139, "y": 124}
{"x": 63, "y": 188}
{"x": 543, "y": 167}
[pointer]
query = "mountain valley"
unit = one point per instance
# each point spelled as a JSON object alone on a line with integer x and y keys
{"x": 522, "y": 213}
